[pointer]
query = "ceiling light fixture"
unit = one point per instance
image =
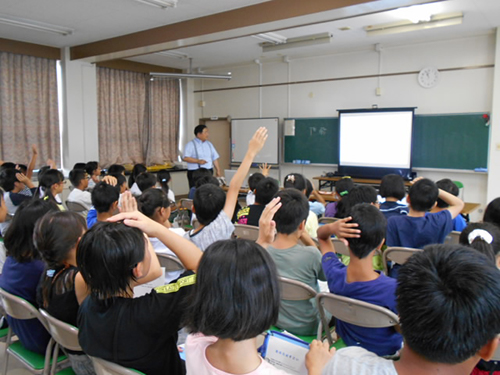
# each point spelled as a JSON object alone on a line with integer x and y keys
{"x": 270, "y": 38}
{"x": 164, "y": 4}
{"x": 438, "y": 20}
{"x": 34, "y": 25}
{"x": 174, "y": 54}
{"x": 303, "y": 41}
{"x": 189, "y": 75}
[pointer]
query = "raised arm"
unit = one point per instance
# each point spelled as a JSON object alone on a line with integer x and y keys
{"x": 31, "y": 165}
{"x": 256, "y": 143}
{"x": 266, "y": 223}
{"x": 341, "y": 228}
{"x": 316, "y": 195}
{"x": 456, "y": 204}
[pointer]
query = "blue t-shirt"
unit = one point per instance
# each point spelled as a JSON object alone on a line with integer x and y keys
{"x": 381, "y": 292}
{"x": 390, "y": 209}
{"x": 21, "y": 279}
{"x": 91, "y": 217}
{"x": 417, "y": 232}
{"x": 459, "y": 223}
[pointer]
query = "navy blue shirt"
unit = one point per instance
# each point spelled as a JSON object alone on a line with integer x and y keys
{"x": 390, "y": 209}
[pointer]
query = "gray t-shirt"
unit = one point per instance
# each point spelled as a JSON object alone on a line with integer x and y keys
{"x": 219, "y": 229}
{"x": 358, "y": 361}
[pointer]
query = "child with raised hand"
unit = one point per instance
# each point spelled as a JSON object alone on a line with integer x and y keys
{"x": 114, "y": 257}
{"x": 213, "y": 208}
{"x": 236, "y": 298}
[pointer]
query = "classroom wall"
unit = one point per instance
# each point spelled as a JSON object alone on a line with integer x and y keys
{"x": 459, "y": 91}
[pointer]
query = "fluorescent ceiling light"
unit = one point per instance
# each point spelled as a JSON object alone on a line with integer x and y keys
{"x": 160, "y": 3}
{"x": 174, "y": 54}
{"x": 189, "y": 75}
{"x": 438, "y": 20}
{"x": 415, "y": 13}
{"x": 34, "y": 25}
{"x": 303, "y": 41}
{"x": 270, "y": 38}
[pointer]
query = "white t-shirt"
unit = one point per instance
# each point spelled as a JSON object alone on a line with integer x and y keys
{"x": 80, "y": 196}
{"x": 197, "y": 362}
{"x": 355, "y": 360}
{"x": 219, "y": 229}
{"x": 312, "y": 224}
{"x": 135, "y": 191}
{"x": 159, "y": 247}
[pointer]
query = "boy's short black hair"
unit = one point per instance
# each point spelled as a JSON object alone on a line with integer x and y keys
{"x": 22, "y": 168}
{"x": 199, "y": 129}
{"x": 209, "y": 179}
{"x": 8, "y": 178}
{"x": 293, "y": 211}
{"x": 450, "y": 187}
{"x": 76, "y": 176}
{"x": 423, "y": 194}
{"x": 7, "y": 165}
{"x": 492, "y": 212}
{"x": 254, "y": 179}
{"x": 309, "y": 188}
{"x": 199, "y": 173}
{"x": 208, "y": 202}
{"x": 116, "y": 169}
{"x": 392, "y": 185}
{"x": 479, "y": 243}
{"x": 145, "y": 181}
{"x": 91, "y": 166}
{"x": 106, "y": 256}
{"x": 448, "y": 299}
{"x": 120, "y": 179}
{"x": 295, "y": 181}
{"x": 79, "y": 166}
{"x": 103, "y": 196}
{"x": 236, "y": 293}
{"x": 266, "y": 190}
{"x": 358, "y": 194}
{"x": 372, "y": 225}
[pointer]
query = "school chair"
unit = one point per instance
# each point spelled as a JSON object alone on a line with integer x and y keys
{"x": 77, "y": 207}
{"x": 398, "y": 255}
{"x": 186, "y": 203}
{"x": 327, "y": 220}
{"x": 293, "y": 290}
{"x": 352, "y": 311}
{"x": 170, "y": 262}
{"x": 103, "y": 367}
{"x": 340, "y": 247}
{"x": 63, "y": 333}
{"x": 452, "y": 238}
{"x": 496, "y": 355}
{"x": 18, "y": 308}
{"x": 247, "y": 232}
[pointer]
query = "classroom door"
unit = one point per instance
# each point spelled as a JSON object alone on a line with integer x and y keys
{"x": 220, "y": 136}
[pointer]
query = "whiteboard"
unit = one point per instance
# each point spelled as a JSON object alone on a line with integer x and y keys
{"x": 242, "y": 130}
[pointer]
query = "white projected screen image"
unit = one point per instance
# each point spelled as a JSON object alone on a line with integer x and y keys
{"x": 376, "y": 139}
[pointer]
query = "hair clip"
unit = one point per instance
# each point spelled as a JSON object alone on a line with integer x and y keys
{"x": 342, "y": 193}
{"x": 50, "y": 273}
{"x": 290, "y": 177}
{"x": 163, "y": 180}
{"x": 346, "y": 177}
{"x": 482, "y": 234}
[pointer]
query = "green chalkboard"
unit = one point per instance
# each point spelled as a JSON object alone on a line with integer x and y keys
{"x": 315, "y": 140}
{"x": 450, "y": 141}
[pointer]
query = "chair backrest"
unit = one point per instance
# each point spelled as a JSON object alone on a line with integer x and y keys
{"x": 63, "y": 333}
{"x": 170, "y": 262}
{"x": 248, "y": 232}
{"x": 19, "y": 308}
{"x": 397, "y": 255}
{"x": 353, "y": 311}
{"x": 292, "y": 290}
{"x": 76, "y": 207}
{"x": 187, "y": 203}
{"x": 327, "y": 220}
{"x": 340, "y": 247}
{"x": 496, "y": 355}
{"x": 103, "y": 367}
{"x": 453, "y": 238}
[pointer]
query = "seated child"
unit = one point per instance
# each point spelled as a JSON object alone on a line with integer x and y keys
{"x": 449, "y": 186}
{"x": 94, "y": 171}
{"x": 358, "y": 194}
{"x": 253, "y": 181}
{"x": 318, "y": 206}
{"x": 392, "y": 188}
{"x": 136, "y": 171}
{"x": 164, "y": 179}
{"x": 23, "y": 268}
{"x": 140, "y": 333}
{"x": 439, "y": 291}
{"x": 225, "y": 318}
{"x": 295, "y": 261}
{"x": 115, "y": 169}
{"x": 298, "y": 182}
{"x": 418, "y": 229}
{"x": 483, "y": 237}
{"x": 213, "y": 208}
{"x": 145, "y": 181}
{"x": 197, "y": 175}
{"x": 492, "y": 212}
{"x": 359, "y": 281}
{"x": 14, "y": 182}
{"x": 50, "y": 186}
{"x": 79, "y": 180}
{"x": 342, "y": 188}
{"x": 264, "y": 193}
{"x": 61, "y": 288}
{"x": 105, "y": 201}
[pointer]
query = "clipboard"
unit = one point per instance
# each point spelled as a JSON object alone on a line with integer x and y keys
{"x": 285, "y": 352}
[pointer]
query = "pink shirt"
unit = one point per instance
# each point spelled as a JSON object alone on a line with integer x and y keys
{"x": 197, "y": 362}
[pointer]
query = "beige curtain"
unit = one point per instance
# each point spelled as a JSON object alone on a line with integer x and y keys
{"x": 28, "y": 109}
{"x": 122, "y": 116}
{"x": 163, "y": 130}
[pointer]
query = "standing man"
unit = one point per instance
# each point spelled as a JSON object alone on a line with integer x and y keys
{"x": 200, "y": 153}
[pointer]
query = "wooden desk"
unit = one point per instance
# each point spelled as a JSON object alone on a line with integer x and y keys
{"x": 324, "y": 181}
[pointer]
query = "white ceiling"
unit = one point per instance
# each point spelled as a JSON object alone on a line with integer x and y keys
{"x": 94, "y": 20}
